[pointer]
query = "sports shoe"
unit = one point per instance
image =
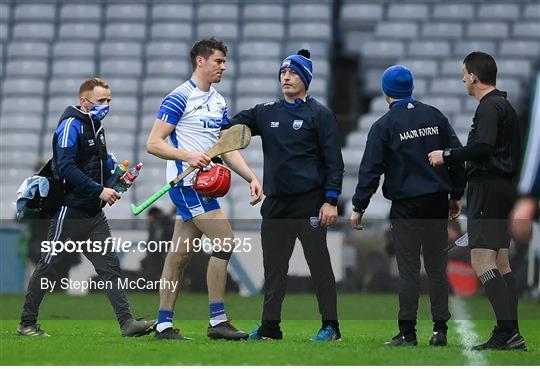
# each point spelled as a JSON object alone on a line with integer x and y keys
{"x": 326, "y": 334}
{"x": 226, "y": 331}
{"x": 170, "y": 334}
{"x": 137, "y": 327}
{"x": 255, "y": 335}
{"x": 31, "y": 331}
{"x": 438, "y": 339}
{"x": 503, "y": 341}
{"x": 401, "y": 340}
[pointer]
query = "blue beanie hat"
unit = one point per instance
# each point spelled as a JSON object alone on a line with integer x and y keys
{"x": 397, "y": 82}
{"x": 301, "y": 64}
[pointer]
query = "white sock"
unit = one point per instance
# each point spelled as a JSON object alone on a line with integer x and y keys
{"x": 218, "y": 319}
{"x": 162, "y": 326}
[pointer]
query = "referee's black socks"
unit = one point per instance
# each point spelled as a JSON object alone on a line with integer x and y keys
{"x": 498, "y": 295}
{"x": 513, "y": 297}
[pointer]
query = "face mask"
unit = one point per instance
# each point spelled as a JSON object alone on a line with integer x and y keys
{"x": 98, "y": 112}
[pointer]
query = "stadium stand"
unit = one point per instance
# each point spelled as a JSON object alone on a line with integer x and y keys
{"x": 432, "y": 38}
{"x": 47, "y": 47}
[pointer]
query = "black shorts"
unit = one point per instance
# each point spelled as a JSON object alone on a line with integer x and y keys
{"x": 489, "y": 202}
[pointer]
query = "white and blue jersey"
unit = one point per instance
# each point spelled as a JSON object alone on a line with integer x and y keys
{"x": 198, "y": 117}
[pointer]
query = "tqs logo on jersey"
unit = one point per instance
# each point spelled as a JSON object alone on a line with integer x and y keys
{"x": 206, "y": 199}
{"x": 211, "y": 123}
{"x": 297, "y": 124}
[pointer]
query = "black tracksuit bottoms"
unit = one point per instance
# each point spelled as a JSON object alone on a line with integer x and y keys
{"x": 76, "y": 225}
{"x": 421, "y": 223}
{"x": 284, "y": 220}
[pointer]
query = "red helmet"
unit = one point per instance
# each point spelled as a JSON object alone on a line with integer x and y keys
{"x": 214, "y": 182}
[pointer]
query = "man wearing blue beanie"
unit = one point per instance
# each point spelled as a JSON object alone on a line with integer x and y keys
{"x": 301, "y": 65}
{"x": 397, "y": 82}
{"x": 423, "y": 198}
{"x": 303, "y": 171}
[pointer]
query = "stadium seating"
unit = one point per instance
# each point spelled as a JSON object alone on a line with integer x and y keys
{"x": 432, "y": 38}
{"x": 142, "y": 48}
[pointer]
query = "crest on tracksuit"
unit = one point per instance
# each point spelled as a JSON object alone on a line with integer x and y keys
{"x": 314, "y": 221}
{"x": 297, "y": 124}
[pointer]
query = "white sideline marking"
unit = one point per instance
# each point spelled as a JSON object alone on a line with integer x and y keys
{"x": 465, "y": 329}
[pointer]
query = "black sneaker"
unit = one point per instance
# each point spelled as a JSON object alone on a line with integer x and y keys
{"x": 137, "y": 327}
{"x": 31, "y": 331}
{"x": 401, "y": 340}
{"x": 438, "y": 339}
{"x": 226, "y": 331}
{"x": 503, "y": 341}
{"x": 170, "y": 334}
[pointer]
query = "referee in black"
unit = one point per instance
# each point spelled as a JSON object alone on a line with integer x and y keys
{"x": 303, "y": 171}
{"x": 423, "y": 198}
{"x": 492, "y": 156}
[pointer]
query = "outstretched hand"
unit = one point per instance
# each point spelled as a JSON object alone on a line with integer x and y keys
{"x": 436, "y": 158}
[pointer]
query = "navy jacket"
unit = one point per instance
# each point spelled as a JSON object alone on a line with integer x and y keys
{"x": 398, "y": 145}
{"x": 80, "y": 158}
{"x": 300, "y": 145}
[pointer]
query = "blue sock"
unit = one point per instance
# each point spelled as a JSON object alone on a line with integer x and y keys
{"x": 165, "y": 320}
{"x": 217, "y": 313}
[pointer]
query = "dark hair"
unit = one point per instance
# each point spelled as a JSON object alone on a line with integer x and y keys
{"x": 483, "y": 66}
{"x": 205, "y": 48}
{"x": 89, "y": 85}
{"x": 155, "y": 211}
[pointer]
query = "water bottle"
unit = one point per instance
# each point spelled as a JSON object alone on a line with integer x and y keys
{"x": 119, "y": 171}
{"x": 127, "y": 180}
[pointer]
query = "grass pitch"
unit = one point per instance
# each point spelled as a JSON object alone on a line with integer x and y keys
{"x": 84, "y": 334}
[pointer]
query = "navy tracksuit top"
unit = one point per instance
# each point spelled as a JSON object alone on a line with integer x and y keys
{"x": 300, "y": 144}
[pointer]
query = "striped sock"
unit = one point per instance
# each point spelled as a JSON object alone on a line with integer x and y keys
{"x": 498, "y": 296}
{"x": 165, "y": 320}
{"x": 217, "y": 313}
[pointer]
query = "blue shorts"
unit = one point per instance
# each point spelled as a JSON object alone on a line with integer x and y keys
{"x": 189, "y": 203}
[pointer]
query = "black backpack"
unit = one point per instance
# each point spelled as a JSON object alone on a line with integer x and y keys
{"x": 49, "y": 205}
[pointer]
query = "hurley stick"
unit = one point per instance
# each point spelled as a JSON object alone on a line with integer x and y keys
{"x": 235, "y": 138}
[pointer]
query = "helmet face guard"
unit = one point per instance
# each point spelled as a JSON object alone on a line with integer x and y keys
{"x": 214, "y": 182}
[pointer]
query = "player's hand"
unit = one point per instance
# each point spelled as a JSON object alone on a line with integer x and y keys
{"x": 356, "y": 220}
{"x": 436, "y": 158}
{"x": 521, "y": 218}
{"x": 255, "y": 189}
{"x": 109, "y": 195}
{"x": 454, "y": 209}
{"x": 327, "y": 215}
{"x": 198, "y": 159}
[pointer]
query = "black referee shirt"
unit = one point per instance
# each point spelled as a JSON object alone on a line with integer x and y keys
{"x": 495, "y": 123}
